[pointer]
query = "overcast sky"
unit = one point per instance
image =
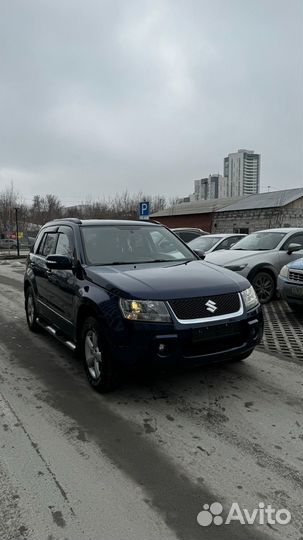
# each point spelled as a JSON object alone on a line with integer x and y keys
{"x": 101, "y": 95}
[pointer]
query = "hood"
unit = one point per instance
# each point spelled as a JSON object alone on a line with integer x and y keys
{"x": 224, "y": 256}
{"x": 296, "y": 265}
{"x": 165, "y": 281}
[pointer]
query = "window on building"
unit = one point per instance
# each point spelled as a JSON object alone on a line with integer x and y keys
{"x": 241, "y": 230}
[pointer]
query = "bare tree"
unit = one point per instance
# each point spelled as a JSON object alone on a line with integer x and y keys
{"x": 124, "y": 205}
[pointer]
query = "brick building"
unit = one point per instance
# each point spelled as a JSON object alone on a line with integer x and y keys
{"x": 261, "y": 211}
{"x": 194, "y": 214}
{"x": 238, "y": 214}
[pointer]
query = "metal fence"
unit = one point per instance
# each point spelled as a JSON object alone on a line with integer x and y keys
{"x": 10, "y": 249}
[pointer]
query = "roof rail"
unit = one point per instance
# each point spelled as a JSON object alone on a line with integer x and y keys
{"x": 72, "y": 219}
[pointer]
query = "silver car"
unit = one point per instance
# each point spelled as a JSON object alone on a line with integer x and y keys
{"x": 214, "y": 242}
{"x": 260, "y": 256}
{"x": 290, "y": 285}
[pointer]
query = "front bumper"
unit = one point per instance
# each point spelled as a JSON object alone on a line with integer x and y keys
{"x": 191, "y": 345}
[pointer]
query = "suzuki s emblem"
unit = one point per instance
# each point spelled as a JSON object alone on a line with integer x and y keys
{"x": 211, "y": 306}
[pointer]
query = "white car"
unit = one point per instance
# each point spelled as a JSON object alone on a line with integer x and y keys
{"x": 8, "y": 243}
{"x": 214, "y": 242}
{"x": 260, "y": 256}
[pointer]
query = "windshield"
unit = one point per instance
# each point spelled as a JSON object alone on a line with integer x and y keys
{"x": 133, "y": 244}
{"x": 204, "y": 243}
{"x": 260, "y": 241}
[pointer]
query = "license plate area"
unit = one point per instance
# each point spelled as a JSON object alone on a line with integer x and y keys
{"x": 297, "y": 291}
{"x": 215, "y": 332}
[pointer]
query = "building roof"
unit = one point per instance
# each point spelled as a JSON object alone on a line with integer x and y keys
{"x": 272, "y": 199}
{"x": 197, "y": 207}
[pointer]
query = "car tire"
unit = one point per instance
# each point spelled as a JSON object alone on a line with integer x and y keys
{"x": 31, "y": 310}
{"x": 264, "y": 284}
{"x": 95, "y": 354}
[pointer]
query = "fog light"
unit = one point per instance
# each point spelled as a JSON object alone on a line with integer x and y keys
{"x": 254, "y": 332}
{"x": 162, "y": 348}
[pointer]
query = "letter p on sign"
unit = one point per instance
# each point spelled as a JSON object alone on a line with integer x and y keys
{"x": 144, "y": 210}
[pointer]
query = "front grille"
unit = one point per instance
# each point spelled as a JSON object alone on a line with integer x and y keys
{"x": 295, "y": 276}
{"x": 197, "y": 308}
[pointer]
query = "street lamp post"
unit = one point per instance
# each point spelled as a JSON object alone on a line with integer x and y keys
{"x": 17, "y": 233}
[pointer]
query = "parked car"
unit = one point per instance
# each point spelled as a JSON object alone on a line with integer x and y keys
{"x": 290, "y": 285}
{"x": 187, "y": 234}
{"x": 8, "y": 243}
{"x": 106, "y": 289}
{"x": 214, "y": 242}
{"x": 260, "y": 256}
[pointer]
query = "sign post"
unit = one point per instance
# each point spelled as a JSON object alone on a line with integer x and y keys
{"x": 17, "y": 233}
{"x": 144, "y": 210}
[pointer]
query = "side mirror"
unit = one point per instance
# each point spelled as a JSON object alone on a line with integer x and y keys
{"x": 294, "y": 247}
{"x": 200, "y": 254}
{"x": 59, "y": 262}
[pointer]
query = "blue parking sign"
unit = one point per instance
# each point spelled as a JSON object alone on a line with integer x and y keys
{"x": 144, "y": 210}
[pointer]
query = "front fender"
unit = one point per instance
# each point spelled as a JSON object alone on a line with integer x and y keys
{"x": 263, "y": 267}
{"x": 103, "y": 305}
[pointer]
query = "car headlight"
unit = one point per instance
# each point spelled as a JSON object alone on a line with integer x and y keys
{"x": 236, "y": 267}
{"x": 284, "y": 271}
{"x": 250, "y": 298}
{"x": 144, "y": 310}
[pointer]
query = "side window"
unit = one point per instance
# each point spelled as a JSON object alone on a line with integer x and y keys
{"x": 294, "y": 239}
{"x": 37, "y": 242}
{"x": 64, "y": 245}
{"x": 233, "y": 240}
{"x": 38, "y": 248}
{"x": 48, "y": 246}
{"x": 226, "y": 243}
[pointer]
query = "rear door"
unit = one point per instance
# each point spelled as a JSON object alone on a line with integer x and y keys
{"x": 62, "y": 284}
{"x": 46, "y": 245}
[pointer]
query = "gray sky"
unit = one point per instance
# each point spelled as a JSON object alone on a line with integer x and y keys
{"x": 101, "y": 95}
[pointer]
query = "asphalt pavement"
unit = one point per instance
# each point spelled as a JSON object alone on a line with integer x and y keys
{"x": 141, "y": 463}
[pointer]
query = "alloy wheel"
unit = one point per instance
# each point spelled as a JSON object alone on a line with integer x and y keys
{"x": 30, "y": 309}
{"x": 264, "y": 286}
{"x": 93, "y": 355}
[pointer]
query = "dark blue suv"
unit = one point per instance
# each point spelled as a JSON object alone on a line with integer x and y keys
{"x": 131, "y": 292}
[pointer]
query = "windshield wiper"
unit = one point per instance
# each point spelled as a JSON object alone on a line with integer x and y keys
{"x": 161, "y": 260}
{"x": 117, "y": 263}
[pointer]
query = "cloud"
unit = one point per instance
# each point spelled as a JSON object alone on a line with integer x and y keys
{"x": 147, "y": 95}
